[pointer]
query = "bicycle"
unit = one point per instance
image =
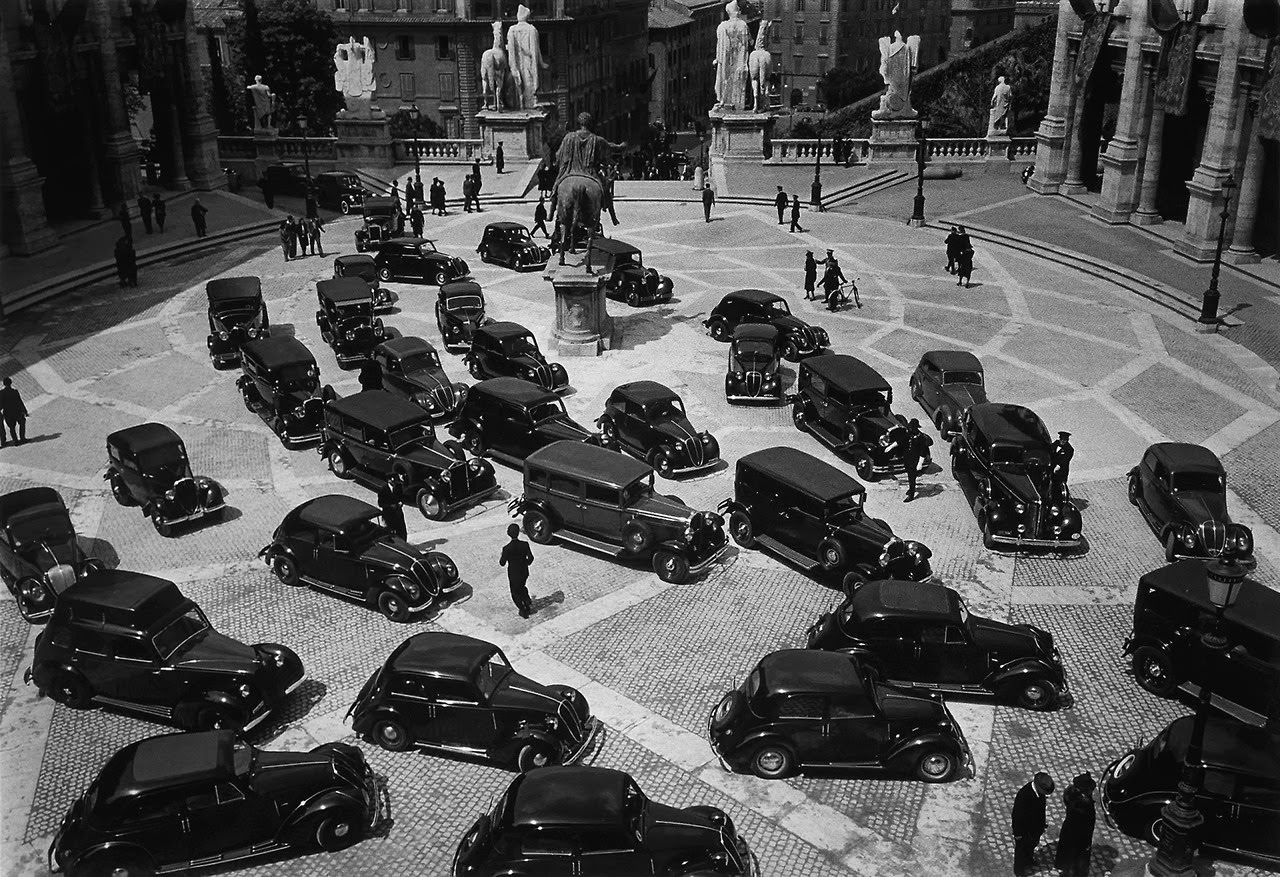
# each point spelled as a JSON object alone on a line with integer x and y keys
{"x": 844, "y": 294}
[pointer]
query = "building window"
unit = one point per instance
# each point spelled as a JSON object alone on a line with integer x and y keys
{"x": 408, "y": 88}
{"x": 799, "y": 5}
{"x": 444, "y": 48}
{"x": 822, "y": 34}
{"x": 483, "y": 9}
{"x": 448, "y": 87}
{"x": 799, "y": 34}
{"x": 775, "y": 32}
{"x": 339, "y": 5}
{"x": 822, "y": 65}
{"x": 404, "y": 49}
{"x": 825, "y": 5}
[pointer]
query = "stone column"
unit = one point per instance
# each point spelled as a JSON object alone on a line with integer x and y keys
{"x": 1120, "y": 179}
{"x": 1241, "y": 250}
{"x": 468, "y": 99}
{"x": 197, "y": 124}
{"x": 1051, "y": 139}
{"x": 121, "y": 149}
{"x": 22, "y": 215}
{"x": 178, "y": 169}
{"x": 1074, "y": 182}
{"x": 1152, "y": 150}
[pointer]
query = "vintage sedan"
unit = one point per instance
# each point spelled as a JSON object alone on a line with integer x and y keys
{"x": 236, "y": 314}
{"x": 753, "y": 374}
{"x": 281, "y": 384}
{"x": 346, "y": 319}
{"x": 510, "y": 244}
{"x": 383, "y": 220}
{"x": 593, "y": 820}
{"x": 133, "y": 643}
{"x": 459, "y": 313}
{"x": 147, "y": 466}
{"x": 332, "y": 543}
{"x": 1181, "y": 489}
{"x": 947, "y": 383}
{"x": 647, "y": 420}
{"x": 625, "y": 276}
{"x": 40, "y": 556}
{"x": 605, "y": 502}
{"x": 457, "y": 696}
{"x": 801, "y": 709}
{"x": 166, "y": 804}
{"x": 340, "y": 191}
{"x": 509, "y": 349}
{"x": 1005, "y": 450}
{"x": 418, "y": 261}
{"x": 918, "y": 635}
{"x": 361, "y": 265}
{"x": 411, "y": 370}
{"x": 508, "y": 419}
{"x": 796, "y": 337}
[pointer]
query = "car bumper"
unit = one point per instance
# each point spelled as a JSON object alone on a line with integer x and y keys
{"x": 1104, "y": 792}
{"x": 593, "y": 728}
{"x": 468, "y": 500}
{"x": 689, "y": 467}
{"x": 715, "y": 747}
{"x": 705, "y": 563}
{"x": 1023, "y": 542}
{"x": 194, "y": 516}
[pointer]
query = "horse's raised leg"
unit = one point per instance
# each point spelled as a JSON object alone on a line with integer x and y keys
{"x": 591, "y": 240}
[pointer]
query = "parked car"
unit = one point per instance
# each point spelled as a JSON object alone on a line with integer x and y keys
{"x": 509, "y": 349}
{"x": 593, "y": 820}
{"x": 802, "y": 709}
{"x": 647, "y": 420}
{"x": 147, "y": 466}
{"x": 845, "y": 404}
{"x": 1181, "y": 489}
{"x": 947, "y": 383}
{"x": 509, "y": 244}
{"x": 289, "y": 178}
{"x": 383, "y": 221}
{"x": 1007, "y": 452}
{"x": 346, "y": 319}
{"x": 813, "y": 515}
{"x": 361, "y": 265}
{"x": 508, "y": 419}
{"x": 454, "y": 695}
{"x": 625, "y": 276}
{"x": 918, "y": 635}
{"x": 133, "y": 643}
{"x": 605, "y": 501}
{"x": 236, "y": 314}
{"x": 374, "y": 438}
{"x": 281, "y": 384}
{"x": 1238, "y": 794}
{"x": 459, "y": 313}
{"x": 40, "y": 555}
{"x": 411, "y": 370}
{"x": 796, "y": 337}
{"x": 1167, "y": 653}
{"x": 753, "y": 374}
{"x": 192, "y": 800}
{"x": 333, "y": 544}
{"x": 417, "y": 260}
{"x": 340, "y": 191}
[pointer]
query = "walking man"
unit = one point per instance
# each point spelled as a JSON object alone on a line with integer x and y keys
{"x": 300, "y": 230}
{"x": 815, "y": 195}
{"x": 917, "y": 446}
{"x": 708, "y": 198}
{"x": 810, "y": 273}
{"x": 953, "y": 250}
{"x": 315, "y": 228}
{"x": 1028, "y": 821}
{"x": 13, "y": 412}
{"x": 832, "y": 277}
{"x": 498, "y": 160}
{"x": 964, "y": 268}
{"x": 144, "y": 210}
{"x": 158, "y": 208}
{"x": 780, "y": 201}
{"x": 122, "y": 270}
{"x": 1075, "y": 839}
{"x": 389, "y": 499}
{"x": 417, "y": 220}
{"x": 395, "y": 192}
{"x": 540, "y": 218}
{"x": 468, "y": 189}
{"x": 198, "y": 212}
{"x": 795, "y": 214}
{"x": 475, "y": 172}
{"x": 608, "y": 196}
{"x": 516, "y": 557}
{"x": 286, "y": 236}
{"x": 1060, "y": 454}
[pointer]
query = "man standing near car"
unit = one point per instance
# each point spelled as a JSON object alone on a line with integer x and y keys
{"x": 389, "y": 499}
{"x": 13, "y": 413}
{"x": 516, "y": 557}
{"x": 1028, "y": 821}
{"x": 1061, "y": 453}
{"x": 917, "y": 446}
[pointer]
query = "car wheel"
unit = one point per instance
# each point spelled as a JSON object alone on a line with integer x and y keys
{"x": 1171, "y": 547}
{"x": 441, "y": 278}
{"x": 1155, "y": 828}
{"x": 1134, "y": 489}
{"x": 772, "y": 761}
{"x": 1037, "y": 694}
{"x": 914, "y": 385}
{"x": 286, "y": 569}
{"x": 393, "y": 606}
{"x": 164, "y": 528}
{"x": 661, "y": 461}
{"x": 384, "y": 274}
{"x": 534, "y": 754}
{"x": 344, "y": 207}
{"x": 936, "y": 766}
{"x": 957, "y": 461}
{"x": 671, "y": 567}
{"x": 832, "y": 555}
{"x": 122, "y": 496}
{"x": 636, "y": 537}
{"x": 477, "y": 372}
{"x": 741, "y": 530}
{"x": 339, "y": 466}
{"x": 988, "y": 535}
{"x": 483, "y": 253}
{"x": 939, "y": 420}
{"x": 537, "y": 526}
{"x": 719, "y": 330}
{"x": 633, "y": 299}
{"x": 429, "y": 504}
{"x": 852, "y": 581}
{"x": 1153, "y": 670}
{"x": 216, "y": 717}
{"x": 391, "y": 735}
{"x": 791, "y": 350}
{"x": 113, "y": 864}
{"x": 474, "y": 442}
{"x": 69, "y": 689}
{"x": 862, "y": 466}
{"x": 338, "y": 829}
{"x": 800, "y": 417}
{"x": 609, "y": 433}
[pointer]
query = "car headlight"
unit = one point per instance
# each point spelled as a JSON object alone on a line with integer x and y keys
{"x": 251, "y": 332}
{"x": 422, "y": 400}
{"x": 351, "y": 336}
{"x": 223, "y": 336}
{"x": 1189, "y": 539}
{"x": 475, "y": 466}
{"x": 1244, "y": 541}
{"x": 411, "y": 589}
{"x": 1019, "y": 508}
{"x": 245, "y": 691}
{"x": 823, "y": 338}
{"x": 278, "y": 659}
{"x": 300, "y": 412}
{"x": 449, "y": 569}
{"x": 445, "y": 477}
{"x": 552, "y": 723}
{"x": 740, "y": 376}
{"x": 884, "y": 440}
{"x": 1055, "y": 510}
{"x": 378, "y": 331}
{"x": 32, "y": 592}
{"x": 168, "y": 494}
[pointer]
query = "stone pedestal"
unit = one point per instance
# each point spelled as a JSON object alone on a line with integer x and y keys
{"x": 364, "y": 142}
{"x": 739, "y": 135}
{"x": 998, "y": 146}
{"x": 519, "y": 132}
{"x": 583, "y": 324}
{"x": 266, "y": 149}
{"x": 26, "y": 231}
{"x": 893, "y": 140}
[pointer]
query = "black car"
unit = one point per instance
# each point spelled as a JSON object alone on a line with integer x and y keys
{"x": 236, "y": 314}
{"x": 133, "y": 643}
{"x": 648, "y": 421}
{"x": 919, "y": 635}
{"x": 605, "y": 502}
{"x": 1181, "y": 489}
{"x": 410, "y": 369}
{"x": 947, "y": 383}
{"x": 375, "y": 438}
{"x": 802, "y": 709}
{"x": 346, "y": 319}
{"x": 592, "y": 820}
{"x": 147, "y": 466}
{"x": 510, "y": 244}
{"x": 1238, "y": 793}
{"x": 753, "y": 374}
{"x": 845, "y": 404}
{"x": 281, "y": 384}
{"x": 796, "y": 337}
{"x": 192, "y": 800}
{"x": 625, "y": 276}
{"x": 40, "y": 556}
{"x": 332, "y": 543}
{"x": 361, "y": 265}
{"x": 289, "y": 178}
{"x": 508, "y": 419}
{"x": 459, "y": 313}
{"x": 1005, "y": 450}
{"x": 813, "y": 515}
{"x": 417, "y": 260}
{"x": 383, "y": 221}
{"x": 455, "y": 695}
{"x": 340, "y": 191}
{"x": 509, "y": 349}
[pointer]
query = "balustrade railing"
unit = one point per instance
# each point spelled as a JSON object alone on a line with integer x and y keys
{"x": 957, "y": 147}
{"x": 237, "y": 148}
{"x": 792, "y": 149}
{"x": 452, "y": 150}
{"x": 319, "y": 148}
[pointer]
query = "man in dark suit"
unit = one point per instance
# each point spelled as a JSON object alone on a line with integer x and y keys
{"x": 1061, "y": 453}
{"x": 917, "y": 445}
{"x": 1028, "y": 821}
{"x": 780, "y": 201}
{"x": 708, "y": 199}
{"x": 389, "y": 499}
{"x": 516, "y": 557}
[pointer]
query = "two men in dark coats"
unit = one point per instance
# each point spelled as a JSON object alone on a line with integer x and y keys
{"x": 516, "y": 557}
{"x": 1028, "y": 821}
{"x": 953, "y": 249}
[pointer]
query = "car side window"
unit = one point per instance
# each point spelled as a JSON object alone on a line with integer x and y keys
{"x": 1161, "y": 473}
{"x": 565, "y": 486}
{"x": 1222, "y": 784}
{"x": 455, "y": 690}
{"x": 412, "y": 686}
{"x": 548, "y": 842}
{"x": 880, "y": 628}
{"x": 601, "y": 494}
{"x": 92, "y": 643}
{"x": 330, "y": 542}
{"x": 540, "y": 478}
{"x": 375, "y": 437}
{"x": 333, "y": 420}
{"x": 148, "y": 808}
{"x": 850, "y": 708}
{"x": 134, "y": 650}
{"x": 953, "y": 636}
{"x": 818, "y": 384}
{"x": 800, "y": 706}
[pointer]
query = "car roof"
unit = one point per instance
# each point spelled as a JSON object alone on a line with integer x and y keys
{"x": 158, "y": 763}
{"x": 514, "y": 390}
{"x": 921, "y": 601}
{"x": 336, "y": 173}
{"x": 380, "y": 202}
{"x": 379, "y": 409}
{"x": 278, "y": 352}
{"x": 1186, "y": 457}
{"x": 953, "y": 360}
{"x": 613, "y": 246}
{"x": 407, "y": 345}
{"x": 811, "y": 476}
{"x": 809, "y": 671}
{"x": 345, "y": 289}
{"x": 349, "y": 258}
{"x": 334, "y": 512}
{"x": 143, "y": 437}
{"x": 1257, "y": 607}
{"x": 644, "y": 392}
{"x": 755, "y": 296}
{"x": 570, "y": 795}
{"x": 461, "y": 287}
{"x": 411, "y": 242}
{"x": 28, "y": 499}
{"x": 504, "y": 330}
{"x": 506, "y": 226}
{"x": 847, "y": 372}
{"x": 229, "y": 288}
{"x": 448, "y": 655}
{"x": 1007, "y": 424}
{"x": 1230, "y": 744}
{"x": 119, "y": 590}
{"x": 588, "y": 462}
{"x": 755, "y": 332}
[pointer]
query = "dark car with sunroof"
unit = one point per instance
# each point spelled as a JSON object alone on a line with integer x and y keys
{"x": 147, "y": 466}
{"x": 510, "y": 244}
{"x": 508, "y": 419}
{"x": 237, "y": 314}
{"x": 625, "y": 276}
{"x": 460, "y": 312}
{"x": 410, "y": 369}
{"x": 947, "y": 383}
{"x": 361, "y": 265}
{"x": 346, "y": 319}
{"x": 417, "y": 260}
{"x": 281, "y": 384}
{"x": 40, "y": 555}
{"x": 796, "y": 338}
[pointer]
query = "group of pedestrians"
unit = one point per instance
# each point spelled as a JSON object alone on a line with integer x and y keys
{"x": 960, "y": 255}
{"x": 832, "y": 280}
{"x": 301, "y": 237}
{"x": 1075, "y": 838}
{"x": 781, "y": 202}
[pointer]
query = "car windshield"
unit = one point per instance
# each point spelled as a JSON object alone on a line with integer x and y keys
{"x": 427, "y": 360}
{"x": 518, "y": 236}
{"x": 623, "y": 259}
{"x": 165, "y": 457}
{"x": 52, "y": 526}
{"x": 754, "y": 350}
{"x": 778, "y": 308}
{"x": 755, "y": 682}
{"x": 844, "y": 505}
{"x": 490, "y": 674}
{"x": 299, "y": 375}
{"x": 236, "y": 310}
{"x": 1200, "y": 482}
{"x": 641, "y": 487}
{"x": 353, "y": 310}
{"x": 347, "y": 180}
{"x": 361, "y": 533}
{"x": 407, "y": 435}
{"x": 465, "y": 303}
{"x": 548, "y": 410}
{"x": 181, "y": 633}
{"x": 964, "y": 611}
{"x": 962, "y": 378}
{"x": 869, "y": 400}
{"x": 667, "y": 409}
{"x": 519, "y": 344}
{"x": 1017, "y": 458}
{"x": 427, "y": 247}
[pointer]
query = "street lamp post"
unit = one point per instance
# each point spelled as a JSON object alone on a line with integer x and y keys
{"x": 415, "y": 116}
{"x": 1209, "y": 306}
{"x": 917, "y": 213}
{"x": 312, "y": 212}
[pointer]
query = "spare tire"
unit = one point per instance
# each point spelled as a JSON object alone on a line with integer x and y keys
{"x": 728, "y": 710}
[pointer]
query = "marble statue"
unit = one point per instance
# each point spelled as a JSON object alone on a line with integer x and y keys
{"x": 524, "y": 55}
{"x": 732, "y": 41}
{"x": 493, "y": 70}
{"x": 353, "y": 74}
{"x": 897, "y": 67}
{"x": 1001, "y": 98}
{"x": 759, "y": 64}
{"x": 264, "y": 103}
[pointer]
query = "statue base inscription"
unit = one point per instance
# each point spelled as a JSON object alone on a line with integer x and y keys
{"x": 583, "y": 324}
{"x": 364, "y": 141}
{"x": 739, "y": 135}
{"x": 893, "y": 140}
{"x": 519, "y": 132}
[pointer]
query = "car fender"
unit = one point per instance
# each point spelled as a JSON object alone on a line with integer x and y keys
{"x": 322, "y": 802}
{"x": 1176, "y": 527}
{"x": 1020, "y": 669}
{"x": 671, "y": 545}
{"x": 363, "y": 725}
{"x": 195, "y": 698}
{"x": 526, "y": 734}
{"x": 729, "y": 506}
{"x": 41, "y": 672}
{"x": 904, "y": 751}
{"x": 756, "y": 738}
{"x": 111, "y": 846}
{"x": 277, "y": 548}
{"x": 523, "y": 505}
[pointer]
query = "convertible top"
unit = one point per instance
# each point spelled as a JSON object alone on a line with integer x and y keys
{"x": 599, "y": 796}
{"x": 756, "y": 332}
{"x": 953, "y": 360}
{"x": 1008, "y": 424}
{"x": 167, "y": 761}
{"x": 614, "y": 247}
{"x": 921, "y": 601}
{"x": 500, "y": 331}
{"x": 231, "y": 288}
{"x": 809, "y": 475}
{"x": 335, "y": 513}
{"x": 379, "y": 409}
{"x": 408, "y": 345}
{"x": 644, "y": 392}
{"x": 505, "y": 226}
{"x": 588, "y": 462}
{"x": 808, "y": 671}
{"x": 755, "y": 296}
{"x": 276, "y": 353}
{"x": 134, "y": 440}
{"x": 1184, "y": 457}
{"x": 460, "y": 287}
{"x": 446, "y": 655}
{"x": 846, "y": 372}
{"x": 513, "y": 390}
{"x": 119, "y": 596}
{"x": 345, "y": 289}
{"x": 1257, "y": 607}
{"x": 29, "y": 499}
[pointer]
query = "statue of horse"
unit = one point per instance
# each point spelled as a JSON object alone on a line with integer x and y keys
{"x": 493, "y": 69}
{"x": 759, "y": 63}
{"x": 578, "y": 198}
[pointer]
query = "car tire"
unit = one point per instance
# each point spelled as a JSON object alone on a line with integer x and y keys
{"x": 719, "y": 330}
{"x": 384, "y": 274}
{"x": 441, "y": 278}
{"x": 939, "y": 421}
{"x": 609, "y": 433}
{"x": 1154, "y": 830}
{"x": 339, "y": 465}
{"x": 429, "y": 505}
{"x": 215, "y": 717}
{"x": 671, "y": 567}
{"x": 538, "y": 527}
{"x": 741, "y": 530}
{"x": 1134, "y": 489}
{"x": 344, "y": 207}
{"x": 800, "y": 417}
{"x": 832, "y": 555}
{"x": 285, "y": 569}
{"x": 862, "y": 467}
{"x": 1171, "y": 547}
{"x": 791, "y": 350}
{"x": 633, "y": 299}
{"x": 636, "y": 537}
{"x": 852, "y": 581}
{"x": 391, "y": 735}
{"x": 114, "y": 864}
{"x": 534, "y": 754}
{"x": 337, "y": 829}
{"x": 473, "y": 366}
{"x": 914, "y": 386}
{"x": 1153, "y": 670}
{"x": 393, "y": 606}
{"x": 661, "y": 460}
{"x": 773, "y": 761}
{"x": 473, "y": 441}
{"x": 1036, "y": 694}
{"x": 483, "y": 253}
{"x": 69, "y": 689}
{"x": 119, "y": 492}
{"x": 936, "y": 766}
{"x": 163, "y": 527}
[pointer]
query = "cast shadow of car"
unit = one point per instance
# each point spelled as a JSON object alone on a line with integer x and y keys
{"x": 101, "y": 549}
{"x": 687, "y": 477}
{"x": 969, "y": 487}
{"x": 461, "y": 594}
{"x": 297, "y": 707}
{"x": 284, "y": 330}
{"x": 642, "y": 325}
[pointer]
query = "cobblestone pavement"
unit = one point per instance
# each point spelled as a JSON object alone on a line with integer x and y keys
{"x": 653, "y": 658}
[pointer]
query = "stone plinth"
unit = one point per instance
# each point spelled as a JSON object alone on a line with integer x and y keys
{"x": 998, "y": 146}
{"x": 364, "y": 142}
{"x": 739, "y": 135}
{"x": 519, "y": 132}
{"x": 893, "y": 140}
{"x": 266, "y": 149}
{"x": 26, "y": 230}
{"x": 583, "y": 324}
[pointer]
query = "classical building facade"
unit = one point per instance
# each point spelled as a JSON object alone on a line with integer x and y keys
{"x": 974, "y": 22}
{"x": 1188, "y": 118}
{"x": 682, "y": 43}
{"x": 69, "y": 148}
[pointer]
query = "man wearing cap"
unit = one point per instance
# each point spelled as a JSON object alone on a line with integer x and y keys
{"x": 516, "y": 557}
{"x": 832, "y": 277}
{"x": 1060, "y": 455}
{"x": 916, "y": 448}
{"x": 1028, "y": 821}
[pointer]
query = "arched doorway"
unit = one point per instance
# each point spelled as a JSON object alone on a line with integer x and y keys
{"x": 1266, "y": 231}
{"x": 1180, "y": 156}
{"x": 1097, "y": 120}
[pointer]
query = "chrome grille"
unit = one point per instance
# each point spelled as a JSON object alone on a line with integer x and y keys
{"x": 1035, "y": 515}
{"x": 186, "y": 495}
{"x": 569, "y": 720}
{"x": 459, "y": 479}
{"x": 755, "y": 380}
{"x": 543, "y": 372}
{"x": 445, "y": 397}
{"x": 1213, "y": 536}
{"x": 697, "y": 453}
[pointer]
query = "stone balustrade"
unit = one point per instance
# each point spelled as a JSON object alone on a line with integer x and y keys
{"x": 452, "y": 151}
{"x": 236, "y": 149}
{"x": 317, "y": 148}
{"x": 952, "y": 149}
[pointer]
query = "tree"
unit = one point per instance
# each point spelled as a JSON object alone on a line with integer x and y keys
{"x": 297, "y": 45}
{"x": 255, "y": 55}
{"x": 841, "y": 86}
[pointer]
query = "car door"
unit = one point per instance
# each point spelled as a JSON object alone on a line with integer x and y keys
{"x": 855, "y": 733}
{"x": 392, "y": 374}
{"x": 1254, "y": 814}
{"x": 154, "y": 822}
{"x": 414, "y": 699}
{"x": 548, "y": 851}
{"x": 946, "y": 656}
{"x": 461, "y": 717}
{"x": 566, "y": 496}
{"x": 788, "y": 522}
{"x": 1160, "y": 492}
{"x": 892, "y": 642}
{"x": 800, "y": 720}
{"x": 336, "y": 568}
{"x": 377, "y": 452}
{"x": 931, "y": 387}
{"x": 221, "y": 819}
{"x": 634, "y": 428}
{"x": 602, "y": 510}
{"x": 612, "y": 851}
{"x": 135, "y": 672}
{"x": 510, "y": 429}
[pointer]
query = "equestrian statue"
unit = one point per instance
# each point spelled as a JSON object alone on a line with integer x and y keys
{"x": 493, "y": 70}
{"x": 578, "y": 193}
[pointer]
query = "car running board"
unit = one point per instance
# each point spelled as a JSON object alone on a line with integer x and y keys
{"x": 787, "y": 553}
{"x": 373, "y": 482}
{"x": 591, "y": 542}
{"x": 132, "y": 706}
{"x": 825, "y": 435}
{"x": 1230, "y": 707}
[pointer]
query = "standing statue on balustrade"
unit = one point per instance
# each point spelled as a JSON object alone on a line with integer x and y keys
{"x": 759, "y": 64}
{"x": 524, "y": 55}
{"x": 493, "y": 70}
{"x": 733, "y": 39}
{"x": 897, "y": 68}
{"x": 353, "y": 75}
{"x": 1001, "y": 100}
{"x": 262, "y": 103}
